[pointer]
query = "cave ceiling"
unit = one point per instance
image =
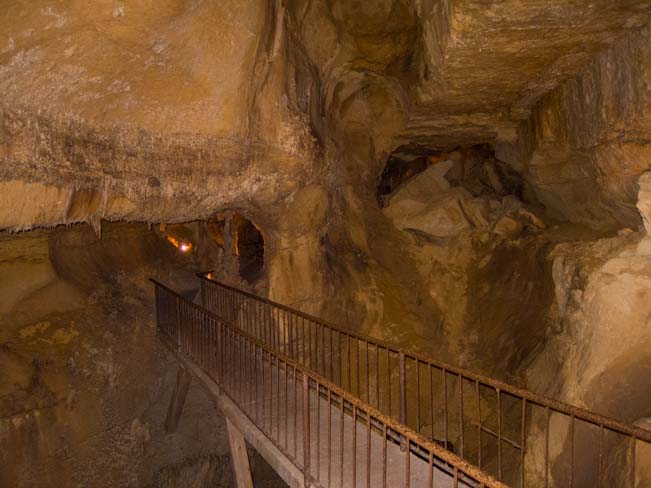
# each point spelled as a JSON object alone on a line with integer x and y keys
{"x": 121, "y": 96}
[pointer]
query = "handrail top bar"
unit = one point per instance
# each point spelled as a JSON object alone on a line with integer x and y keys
{"x": 413, "y": 436}
{"x": 562, "y": 407}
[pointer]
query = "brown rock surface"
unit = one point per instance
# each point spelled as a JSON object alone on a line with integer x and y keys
{"x": 530, "y": 120}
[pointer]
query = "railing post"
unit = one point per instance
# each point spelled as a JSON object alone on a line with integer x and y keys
{"x": 288, "y": 324}
{"x": 306, "y": 430}
{"x": 203, "y": 291}
{"x": 403, "y": 395}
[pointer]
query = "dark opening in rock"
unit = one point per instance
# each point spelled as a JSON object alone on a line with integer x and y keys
{"x": 400, "y": 167}
{"x": 474, "y": 168}
{"x": 249, "y": 247}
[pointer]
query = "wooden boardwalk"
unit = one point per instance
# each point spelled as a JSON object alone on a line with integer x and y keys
{"x": 348, "y": 454}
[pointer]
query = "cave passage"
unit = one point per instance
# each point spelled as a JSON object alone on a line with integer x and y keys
{"x": 474, "y": 168}
{"x": 249, "y": 248}
{"x": 470, "y": 184}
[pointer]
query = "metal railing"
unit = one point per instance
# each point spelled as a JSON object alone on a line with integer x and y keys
{"x": 517, "y": 436}
{"x": 333, "y": 437}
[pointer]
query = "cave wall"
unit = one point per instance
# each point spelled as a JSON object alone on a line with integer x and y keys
{"x": 586, "y": 143}
{"x": 85, "y": 381}
{"x": 287, "y": 113}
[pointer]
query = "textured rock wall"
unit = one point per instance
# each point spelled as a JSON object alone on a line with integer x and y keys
{"x": 286, "y": 112}
{"x": 586, "y": 143}
{"x": 599, "y": 354}
{"x": 86, "y": 383}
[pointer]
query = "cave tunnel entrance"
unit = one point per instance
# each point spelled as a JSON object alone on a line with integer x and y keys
{"x": 474, "y": 168}
{"x": 399, "y": 168}
{"x": 243, "y": 239}
{"x": 249, "y": 248}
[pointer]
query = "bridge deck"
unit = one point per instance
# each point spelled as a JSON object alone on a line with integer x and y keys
{"x": 337, "y": 461}
{"x": 272, "y": 423}
{"x": 367, "y": 399}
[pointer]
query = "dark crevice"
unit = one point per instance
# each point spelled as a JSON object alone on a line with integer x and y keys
{"x": 249, "y": 247}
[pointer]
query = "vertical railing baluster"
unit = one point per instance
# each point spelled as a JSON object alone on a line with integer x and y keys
{"x": 264, "y": 387}
{"x": 354, "y": 445}
{"x": 571, "y": 451}
{"x": 403, "y": 394}
{"x": 340, "y": 360}
{"x": 318, "y": 430}
{"x": 389, "y": 380}
{"x": 295, "y": 388}
{"x": 546, "y": 446}
{"x": 306, "y": 338}
{"x": 384, "y": 455}
{"x": 601, "y": 456}
{"x": 499, "y": 433}
{"x": 350, "y": 365}
{"x": 418, "y": 395}
{"x": 368, "y": 450}
{"x": 271, "y": 394}
{"x": 341, "y": 441}
{"x": 368, "y": 376}
{"x": 278, "y": 396}
{"x": 358, "y": 367}
{"x": 479, "y": 432}
{"x": 306, "y": 429}
{"x": 257, "y": 397}
{"x": 331, "y": 359}
{"x": 523, "y": 440}
{"x": 461, "y": 426}
{"x": 323, "y": 354}
{"x": 377, "y": 377}
{"x": 445, "y": 406}
{"x": 286, "y": 406}
{"x": 632, "y": 462}
{"x": 329, "y": 437}
{"x": 407, "y": 463}
{"x": 431, "y": 399}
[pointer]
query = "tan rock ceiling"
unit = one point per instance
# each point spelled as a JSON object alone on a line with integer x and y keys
{"x": 274, "y": 77}
{"x": 186, "y": 66}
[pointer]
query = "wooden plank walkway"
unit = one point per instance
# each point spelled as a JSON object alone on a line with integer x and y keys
{"x": 271, "y": 420}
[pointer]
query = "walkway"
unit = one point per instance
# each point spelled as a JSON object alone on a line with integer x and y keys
{"x": 289, "y": 380}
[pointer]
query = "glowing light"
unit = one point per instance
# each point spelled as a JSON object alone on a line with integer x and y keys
{"x": 182, "y": 246}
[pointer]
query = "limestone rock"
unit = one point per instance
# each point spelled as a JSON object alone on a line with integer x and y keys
{"x": 287, "y": 112}
{"x": 644, "y": 207}
{"x": 529, "y": 218}
{"x": 511, "y": 202}
{"x": 441, "y": 216}
{"x": 422, "y": 186}
{"x": 644, "y": 200}
{"x": 508, "y": 227}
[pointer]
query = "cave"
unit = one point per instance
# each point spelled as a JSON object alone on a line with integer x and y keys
{"x": 249, "y": 248}
{"x": 474, "y": 168}
{"x": 325, "y": 243}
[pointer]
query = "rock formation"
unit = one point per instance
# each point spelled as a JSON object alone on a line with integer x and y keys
{"x": 467, "y": 178}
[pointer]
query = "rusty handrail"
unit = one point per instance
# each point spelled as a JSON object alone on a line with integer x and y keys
{"x": 530, "y": 396}
{"x": 194, "y": 334}
{"x": 527, "y": 398}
